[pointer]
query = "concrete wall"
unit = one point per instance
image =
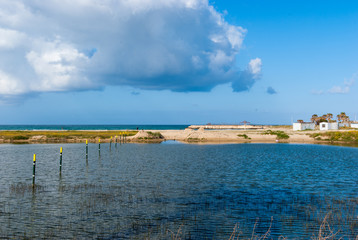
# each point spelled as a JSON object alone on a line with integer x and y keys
{"x": 328, "y": 126}
{"x": 303, "y": 126}
{"x": 343, "y": 125}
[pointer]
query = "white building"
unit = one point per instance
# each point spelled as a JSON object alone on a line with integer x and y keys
{"x": 354, "y": 125}
{"x": 345, "y": 124}
{"x": 328, "y": 126}
{"x": 303, "y": 126}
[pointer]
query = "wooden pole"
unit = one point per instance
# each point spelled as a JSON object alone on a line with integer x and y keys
{"x": 60, "y": 159}
{"x": 33, "y": 170}
{"x": 86, "y": 149}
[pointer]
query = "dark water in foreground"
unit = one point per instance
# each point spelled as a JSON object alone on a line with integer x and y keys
{"x": 139, "y": 191}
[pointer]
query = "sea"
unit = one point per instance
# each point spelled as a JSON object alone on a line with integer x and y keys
{"x": 92, "y": 127}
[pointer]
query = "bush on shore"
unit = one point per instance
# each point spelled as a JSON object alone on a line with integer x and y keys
{"x": 279, "y": 134}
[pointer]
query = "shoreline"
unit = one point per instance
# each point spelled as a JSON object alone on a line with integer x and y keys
{"x": 268, "y": 134}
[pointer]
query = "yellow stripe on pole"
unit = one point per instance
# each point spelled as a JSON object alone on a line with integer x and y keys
{"x": 86, "y": 141}
{"x": 34, "y": 157}
{"x": 60, "y": 149}
{"x": 99, "y": 140}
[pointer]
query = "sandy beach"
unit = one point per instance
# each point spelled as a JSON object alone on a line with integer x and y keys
{"x": 231, "y": 136}
{"x": 266, "y": 134}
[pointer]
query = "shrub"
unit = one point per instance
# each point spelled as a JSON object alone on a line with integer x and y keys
{"x": 20, "y": 137}
{"x": 155, "y": 135}
{"x": 279, "y": 134}
{"x": 350, "y": 136}
{"x": 244, "y": 136}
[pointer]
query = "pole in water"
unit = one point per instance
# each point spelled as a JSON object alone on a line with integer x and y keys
{"x": 33, "y": 170}
{"x": 116, "y": 140}
{"x": 99, "y": 146}
{"x": 86, "y": 149}
{"x": 60, "y": 159}
{"x": 110, "y": 143}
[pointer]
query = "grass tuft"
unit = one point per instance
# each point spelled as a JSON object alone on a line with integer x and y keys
{"x": 337, "y": 136}
{"x": 244, "y": 136}
{"x": 61, "y": 136}
{"x": 279, "y": 134}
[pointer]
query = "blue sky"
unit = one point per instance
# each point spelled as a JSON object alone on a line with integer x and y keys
{"x": 176, "y": 62}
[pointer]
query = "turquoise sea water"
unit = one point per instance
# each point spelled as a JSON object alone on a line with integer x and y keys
{"x": 149, "y": 191}
{"x": 92, "y": 127}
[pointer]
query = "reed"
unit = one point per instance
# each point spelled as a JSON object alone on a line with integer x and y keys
{"x": 23, "y": 188}
{"x": 59, "y": 136}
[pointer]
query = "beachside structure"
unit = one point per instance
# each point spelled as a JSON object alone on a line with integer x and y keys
{"x": 303, "y": 126}
{"x": 323, "y": 126}
{"x": 354, "y": 125}
{"x": 344, "y": 124}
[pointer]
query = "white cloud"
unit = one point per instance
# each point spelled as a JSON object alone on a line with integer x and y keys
{"x": 342, "y": 89}
{"x": 339, "y": 89}
{"x": 235, "y": 36}
{"x": 10, "y": 38}
{"x": 255, "y": 66}
{"x": 66, "y": 45}
{"x": 57, "y": 66}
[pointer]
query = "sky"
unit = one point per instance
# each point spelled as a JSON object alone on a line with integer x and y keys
{"x": 176, "y": 61}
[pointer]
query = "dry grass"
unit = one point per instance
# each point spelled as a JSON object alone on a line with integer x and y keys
{"x": 281, "y": 126}
{"x": 61, "y": 136}
{"x": 23, "y": 188}
{"x": 176, "y": 236}
{"x": 337, "y": 136}
{"x": 235, "y": 235}
{"x": 325, "y": 232}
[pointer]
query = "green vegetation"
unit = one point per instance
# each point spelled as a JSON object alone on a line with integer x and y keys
{"x": 20, "y": 137}
{"x": 279, "y": 134}
{"x": 244, "y": 136}
{"x": 337, "y": 136}
{"x": 195, "y": 139}
{"x": 56, "y": 136}
{"x": 155, "y": 135}
{"x": 281, "y": 126}
{"x": 151, "y": 137}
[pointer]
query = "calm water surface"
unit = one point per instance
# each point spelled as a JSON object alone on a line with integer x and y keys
{"x": 149, "y": 191}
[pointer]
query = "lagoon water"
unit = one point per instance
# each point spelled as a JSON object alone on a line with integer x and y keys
{"x": 156, "y": 191}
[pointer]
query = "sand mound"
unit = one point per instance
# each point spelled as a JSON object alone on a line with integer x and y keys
{"x": 148, "y": 136}
{"x": 140, "y": 134}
